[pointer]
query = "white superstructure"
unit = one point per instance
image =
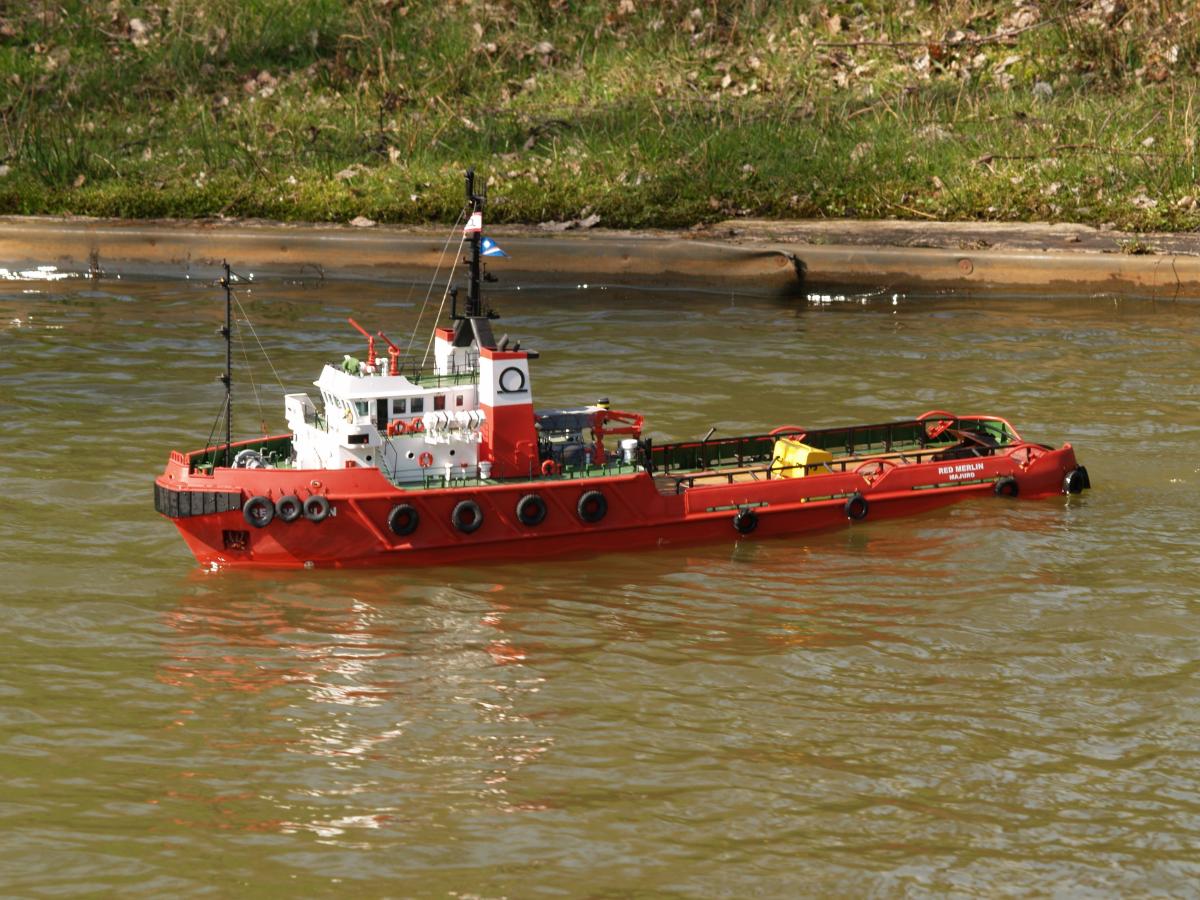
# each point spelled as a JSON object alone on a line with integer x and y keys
{"x": 407, "y": 424}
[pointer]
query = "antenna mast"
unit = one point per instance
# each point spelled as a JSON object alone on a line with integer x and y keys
{"x": 474, "y": 304}
{"x": 226, "y": 332}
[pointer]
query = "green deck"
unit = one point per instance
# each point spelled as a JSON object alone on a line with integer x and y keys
{"x": 275, "y": 450}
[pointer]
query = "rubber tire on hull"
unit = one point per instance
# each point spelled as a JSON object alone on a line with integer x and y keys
{"x": 258, "y": 511}
{"x": 1075, "y": 481}
{"x": 316, "y": 508}
{"x": 467, "y": 516}
{"x": 1006, "y": 486}
{"x": 531, "y": 510}
{"x": 857, "y": 507}
{"x": 403, "y": 519}
{"x": 592, "y": 507}
{"x": 289, "y": 508}
{"x": 745, "y": 521}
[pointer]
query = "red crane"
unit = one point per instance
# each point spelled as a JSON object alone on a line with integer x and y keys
{"x": 370, "y": 343}
{"x": 393, "y": 355}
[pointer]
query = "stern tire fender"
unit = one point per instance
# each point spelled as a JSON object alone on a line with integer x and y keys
{"x": 1006, "y": 486}
{"x": 1075, "y": 481}
{"x": 745, "y": 521}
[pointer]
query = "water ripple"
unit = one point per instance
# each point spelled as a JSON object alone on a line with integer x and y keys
{"x": 997, "y": 698}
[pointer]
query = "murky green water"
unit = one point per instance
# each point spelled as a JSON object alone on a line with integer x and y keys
{"x": 997, "y": 698}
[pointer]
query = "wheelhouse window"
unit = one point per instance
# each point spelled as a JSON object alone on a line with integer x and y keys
{"x": 439, "y": 401}
{"x": 399, "y": 406}
{"x": 418, "y": 404}
{"x": 362, "y": 407}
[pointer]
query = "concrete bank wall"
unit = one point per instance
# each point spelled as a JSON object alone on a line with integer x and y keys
{"x": 983, "y": 272}
{"x": 111, "y": 248}
{"x": 750, "y": 257}
{"x": 1060, "y": 259}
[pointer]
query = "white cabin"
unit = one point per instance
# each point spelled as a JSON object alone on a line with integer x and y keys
{"x": 413, "y": 425}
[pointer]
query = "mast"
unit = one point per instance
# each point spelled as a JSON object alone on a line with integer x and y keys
{"x": 474, "y": 303}
{"x": 473, "y": 324}
{"x": 227, "y": 378}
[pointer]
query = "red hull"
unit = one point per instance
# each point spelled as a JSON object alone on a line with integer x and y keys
{"x": 356, "y": 532}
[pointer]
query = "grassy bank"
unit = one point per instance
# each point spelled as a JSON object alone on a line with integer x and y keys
{"x": 641, "y": 113}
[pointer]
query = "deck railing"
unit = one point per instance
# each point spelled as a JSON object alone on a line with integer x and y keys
{"x": 732, "y": 456}
{"x": 470, "y": 476}
{"x": 428, "y": 376}
{"x": 777, "y": 470}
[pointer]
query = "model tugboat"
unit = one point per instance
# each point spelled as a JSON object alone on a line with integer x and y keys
{"x": 406, "y": 465}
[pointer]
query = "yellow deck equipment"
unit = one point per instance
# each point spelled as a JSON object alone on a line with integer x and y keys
{"x": 790, "y": 457}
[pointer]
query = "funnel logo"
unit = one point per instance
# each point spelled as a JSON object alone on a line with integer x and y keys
{"x": 512, "y": 381}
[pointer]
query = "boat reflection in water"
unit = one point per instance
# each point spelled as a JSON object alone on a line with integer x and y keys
{"x": 402, "y": 686}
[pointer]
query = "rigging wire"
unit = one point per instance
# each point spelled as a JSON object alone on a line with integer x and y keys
{"x": 253, "y": 385}
{"x": 213, "y": 430}
{"x": 245, "y": 356}
{"x": 432, "y": 281}
{"x": 246, "y": 317}
{"x": 441, "y": 307}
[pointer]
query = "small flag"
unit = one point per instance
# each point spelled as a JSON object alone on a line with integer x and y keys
{"x": 474, "y": 224}
{"x": 488, "y": 247}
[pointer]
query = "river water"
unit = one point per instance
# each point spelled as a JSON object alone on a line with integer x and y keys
{"x": 996, "y": 698}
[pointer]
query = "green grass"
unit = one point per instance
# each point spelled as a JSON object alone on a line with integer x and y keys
{"x": 647, "y": 114}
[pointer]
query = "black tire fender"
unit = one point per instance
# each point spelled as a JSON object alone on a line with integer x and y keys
{"x": 258, "y": 511}
{"x": 403, "y": 519}
{"x": 316, "y": 508}
{"x": 745, "y": 521}
{"x": 467, "y": 516}
{"x": 1006, "y": 486}
{"x": 857, "y": 507}
{"x": 592, "y": 507}
{"x": 289, "y": 508}
{"x": 531, "y": 510}
{"x": 1075, "y": 481}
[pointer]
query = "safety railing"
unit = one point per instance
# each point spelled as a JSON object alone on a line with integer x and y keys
{"x": 770, "y": 469}
{"x": 745, "y": 450}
